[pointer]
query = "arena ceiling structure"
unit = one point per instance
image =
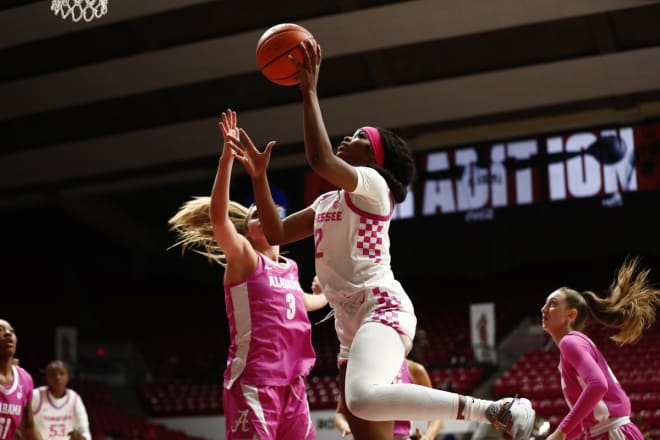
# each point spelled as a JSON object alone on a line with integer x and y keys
{"x": 96, "y": 112}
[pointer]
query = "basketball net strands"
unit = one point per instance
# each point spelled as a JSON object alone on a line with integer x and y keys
{"x": 78, "y": 10}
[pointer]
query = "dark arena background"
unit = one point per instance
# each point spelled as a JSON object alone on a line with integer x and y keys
{"x": 536, "y": 132}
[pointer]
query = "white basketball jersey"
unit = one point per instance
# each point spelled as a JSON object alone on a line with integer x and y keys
{"x": 55, "y": 418}
{"x": 352, "y": 252}
{"x": 352, "y": 244}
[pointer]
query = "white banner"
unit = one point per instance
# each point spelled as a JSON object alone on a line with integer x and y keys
{"x": 482, "y": 329}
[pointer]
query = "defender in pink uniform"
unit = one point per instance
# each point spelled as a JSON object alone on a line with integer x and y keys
{"x": 600, "y": 408}
{"x": 270, "y": 353}
{"x": 16, "y": 388}
{"x": 271, "y": 347}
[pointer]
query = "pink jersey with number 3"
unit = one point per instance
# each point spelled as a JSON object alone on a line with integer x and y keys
{"x": 270, "y": 332}
{"x": 13, "y": 399}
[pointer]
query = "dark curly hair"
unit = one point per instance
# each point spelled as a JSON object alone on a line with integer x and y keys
{"x": 398, "y": 168}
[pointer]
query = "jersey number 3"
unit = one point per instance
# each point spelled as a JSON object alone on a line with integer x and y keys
{"x": 291, "y": 306}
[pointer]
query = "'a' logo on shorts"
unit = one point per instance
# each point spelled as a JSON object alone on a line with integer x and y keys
{"x": 242, "y": 422}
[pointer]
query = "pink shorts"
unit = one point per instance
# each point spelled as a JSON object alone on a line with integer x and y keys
{"x": 629, "y": 431}
{"x": 268, "y": 412}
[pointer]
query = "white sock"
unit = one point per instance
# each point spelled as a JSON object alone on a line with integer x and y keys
{"x": 475, "y": 409}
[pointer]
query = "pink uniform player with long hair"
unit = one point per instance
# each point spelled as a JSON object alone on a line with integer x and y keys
{"x": 271, "y": 350}
{"x": 600, "y": 408}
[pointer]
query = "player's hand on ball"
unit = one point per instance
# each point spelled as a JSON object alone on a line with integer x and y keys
{"x": 308, "y": 70}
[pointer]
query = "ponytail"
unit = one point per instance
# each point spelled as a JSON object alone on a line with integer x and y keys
{"x": 192, "y": 225}
{"x": 629, "y": 307}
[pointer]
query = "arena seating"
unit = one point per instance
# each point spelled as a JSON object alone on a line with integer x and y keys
{"x": 322, "y": 392}
{"x": 171, "y": 394}
{"x": 178, "y": 399}
{"x": 461, "y": 379}
{"x": 168, "y": 399}
{"x": 108, "y": 420}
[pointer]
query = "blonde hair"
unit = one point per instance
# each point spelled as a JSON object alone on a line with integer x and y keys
{"x": 629, "y": 307}
{"x": 192, "y": 225}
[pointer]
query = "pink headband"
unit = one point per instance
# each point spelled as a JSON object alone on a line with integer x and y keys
{"x": 374, "y": 137}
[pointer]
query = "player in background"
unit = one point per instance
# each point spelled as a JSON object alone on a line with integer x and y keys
{"x": 16, "y": 387}
{"x": 600, "y": 408}
{"x": 59, "y": 412}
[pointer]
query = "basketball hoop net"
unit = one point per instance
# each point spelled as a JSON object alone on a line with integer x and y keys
{"x": 78, "y": 10}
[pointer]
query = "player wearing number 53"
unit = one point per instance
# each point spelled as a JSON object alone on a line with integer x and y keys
{"x": 270, "y": 351}
{"x": 59, "y": 412}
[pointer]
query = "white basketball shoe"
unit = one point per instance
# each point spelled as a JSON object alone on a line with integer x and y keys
{"x": 513, "y": 416}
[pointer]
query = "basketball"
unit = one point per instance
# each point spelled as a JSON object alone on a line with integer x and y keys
{"x": 273, "y": 49}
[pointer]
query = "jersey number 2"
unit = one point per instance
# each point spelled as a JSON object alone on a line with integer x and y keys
{"x": 318, "y": 235}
